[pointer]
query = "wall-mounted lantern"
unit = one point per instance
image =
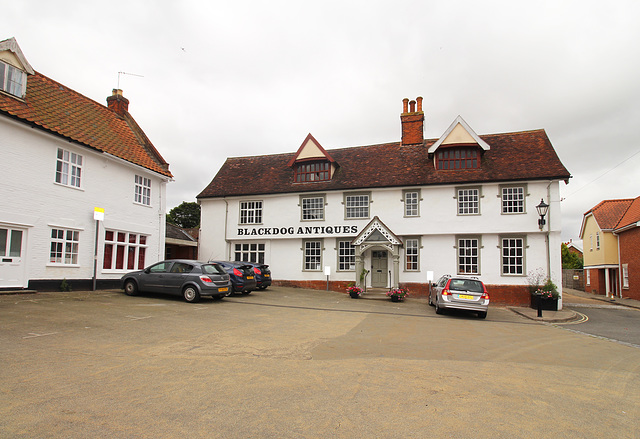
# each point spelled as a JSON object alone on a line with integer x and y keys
{"x": 542, "y": 209}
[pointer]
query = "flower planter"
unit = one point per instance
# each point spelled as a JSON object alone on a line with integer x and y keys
{"x": 545, "y": 304}
{"x": 354, "y": 295}
{"x": 396, "y": 299}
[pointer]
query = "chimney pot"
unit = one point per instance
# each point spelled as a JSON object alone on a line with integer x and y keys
{"x": 412, "y": 123}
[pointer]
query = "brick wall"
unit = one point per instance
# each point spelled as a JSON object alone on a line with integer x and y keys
{"x": 629, "y": 244}
{"x": 513, "y": 295}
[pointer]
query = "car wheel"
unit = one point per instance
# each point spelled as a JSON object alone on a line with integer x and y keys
{"x": 482, "y": 314}
{"x": 246, "y": 292}
{"x": 130, "y": 288}
{"x": 430, "y": 301}
{"x": 190, "y": 294}
{"x": 438, "y": 309}
{"x": 263, "y": 288}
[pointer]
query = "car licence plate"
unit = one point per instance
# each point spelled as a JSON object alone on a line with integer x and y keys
{"x": 249, "y": 277}
{"x": 465, "y": 296}
{"x": 222, "y": 290}
{"x": 267, "y": 275}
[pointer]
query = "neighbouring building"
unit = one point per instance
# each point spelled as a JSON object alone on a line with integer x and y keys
{"x": 83, "y": 191}
{"x": 394, "y": 214}
{"x": 181, "y": 243}
{"x": 611, "y": 237}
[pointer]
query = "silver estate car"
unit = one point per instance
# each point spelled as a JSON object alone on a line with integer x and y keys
{"x": 459, "y": 292}
{"x": 190, "y": 279}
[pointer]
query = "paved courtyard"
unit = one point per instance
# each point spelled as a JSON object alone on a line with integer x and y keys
{"x": 294, "y": 363}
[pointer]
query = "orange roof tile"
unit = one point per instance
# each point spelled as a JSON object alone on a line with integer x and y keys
{"x": 56, "y": 108}
{"x": 632, "y": 215}
{"x": 608, "y": 213}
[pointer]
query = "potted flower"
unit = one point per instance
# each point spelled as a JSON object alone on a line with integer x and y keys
{"x": 397, "y": 294}
{"x": 354, "y": 291}
{"x": 546, "y": 295}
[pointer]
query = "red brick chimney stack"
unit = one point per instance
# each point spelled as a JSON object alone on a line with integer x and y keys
{"x": 118, "y": 103}
{"x": 412, "y": 122}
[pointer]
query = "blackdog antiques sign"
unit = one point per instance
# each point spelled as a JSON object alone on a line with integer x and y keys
{"x": 298, "y": 231}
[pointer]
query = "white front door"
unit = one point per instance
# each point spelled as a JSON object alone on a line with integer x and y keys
{"x": 12, "y": 257}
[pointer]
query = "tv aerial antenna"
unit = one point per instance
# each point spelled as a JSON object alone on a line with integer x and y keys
{"x": 129, "y": 74}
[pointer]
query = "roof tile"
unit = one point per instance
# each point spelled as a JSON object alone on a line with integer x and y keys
{"x": 518, "y": 156}
{"x": 64, "y": 112}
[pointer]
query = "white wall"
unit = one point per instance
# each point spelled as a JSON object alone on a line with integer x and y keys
{"x": 437, "y": 225}
{"x": 31, "y": 198}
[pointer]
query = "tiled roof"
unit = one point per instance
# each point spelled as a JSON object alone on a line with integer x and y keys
{"x": 608, "y": 213}
{"x": 176, "y": 232}
{"x": 56, "y": 108}
{"x": 631, "y": 216}
{"x": 516, "y": 156}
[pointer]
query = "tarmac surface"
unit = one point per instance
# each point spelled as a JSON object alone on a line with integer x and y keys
{"x": 297, "y": 363}
{"x": 569, "y": 297}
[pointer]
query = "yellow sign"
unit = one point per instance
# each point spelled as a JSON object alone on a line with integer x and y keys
{"x": 98, "y": 213}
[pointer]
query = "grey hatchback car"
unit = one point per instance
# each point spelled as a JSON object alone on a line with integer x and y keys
{"x": 459, "y": 292}
{"x": 185, "y": 277}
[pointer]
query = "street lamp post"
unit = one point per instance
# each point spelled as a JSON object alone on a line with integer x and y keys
{"x": 542, "y": 209}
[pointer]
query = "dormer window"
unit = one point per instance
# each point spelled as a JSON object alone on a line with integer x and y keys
{"x": 457, "y": 158}
{"x": 12, "y": 80}
{"x": 316, "y": 171}
{"x": 312, "y": 163}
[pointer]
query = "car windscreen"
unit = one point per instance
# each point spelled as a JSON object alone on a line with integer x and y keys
{"x": 213, "y": 269}
{"x": 466, "y": 285}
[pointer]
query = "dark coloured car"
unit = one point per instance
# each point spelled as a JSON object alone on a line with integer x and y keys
{"x": 183, "y": 277}
{"x": 241, "y": 274}
{"x": 459, "y": 292}
{"x": 262, "y": 274}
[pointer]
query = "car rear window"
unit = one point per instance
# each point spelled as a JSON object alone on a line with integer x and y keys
{"x": 213, "y": 269}
{"x": 466, "y": 285}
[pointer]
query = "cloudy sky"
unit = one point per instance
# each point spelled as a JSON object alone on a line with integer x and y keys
{"x": 208, "y": 80}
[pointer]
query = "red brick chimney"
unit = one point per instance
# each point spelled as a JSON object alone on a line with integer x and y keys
{"x": 412, "y": 122}
{"x": 118, "y": 103}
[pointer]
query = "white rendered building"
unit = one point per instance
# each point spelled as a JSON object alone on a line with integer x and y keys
{"x": 83, "y": 189}
{"x": 396, "y": 214}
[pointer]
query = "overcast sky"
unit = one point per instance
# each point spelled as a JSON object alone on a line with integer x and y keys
{"x": 220, "y": 79}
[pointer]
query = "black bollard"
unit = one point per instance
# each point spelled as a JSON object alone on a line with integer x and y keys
{"x": 539, "y": 306}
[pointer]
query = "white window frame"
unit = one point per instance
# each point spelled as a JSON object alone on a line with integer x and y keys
{"x": 468, "y": 200}
{"x": 512, "y": 261}
{"x": 411, "y": 199}
{"x": 412, "y": 254}
{"x": 69, "y": 168}
{"x": 312, "y": 250}
{"x": 513, "y": 199}
{"x": 346, "y": 256}
{"x": 468, "y": 254}
{"x": 597, "y": 240}
{"x": 8, "y": 82}
{"x": 356, "y": 205}
{"x": 250, "y": 252}
{"x": 140, "y": 245}
{"x": 64, "y": 246}
{"x": 142, "y": 193}
{"x": 251, "y": 212}
{"x": 588, "y": 276}
{"x": 312, "y": 207}
{"x": 625, "y": 276}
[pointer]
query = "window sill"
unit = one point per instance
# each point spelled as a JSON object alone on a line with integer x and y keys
{"x": 69, "y": 186}
{"x": 53, "y": 264}
{"x": 142, "y": 205}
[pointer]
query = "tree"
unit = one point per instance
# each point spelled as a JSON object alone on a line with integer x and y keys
{"x": 571, "y": 259}
{"x": 186, "y": 215}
